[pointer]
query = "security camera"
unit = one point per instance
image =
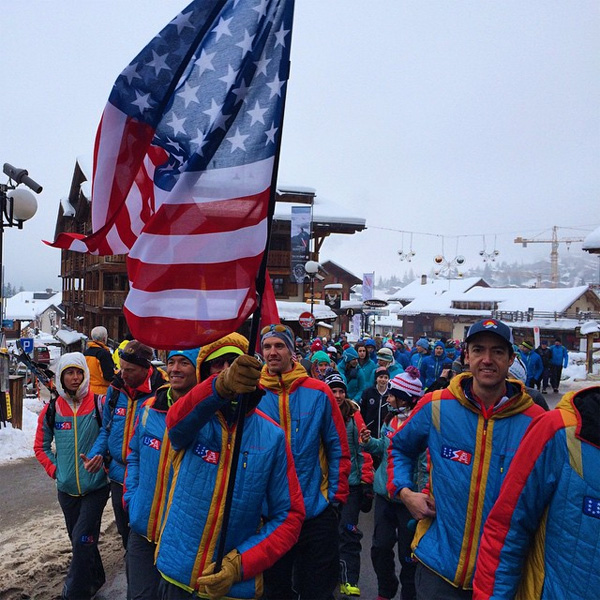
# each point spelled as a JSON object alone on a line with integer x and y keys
{"x": 21, "y": 176}
{"x": 438, "y": 260}
{"x": 460, "y": 259}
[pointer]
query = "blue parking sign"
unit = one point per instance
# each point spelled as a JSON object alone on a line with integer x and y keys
{"x": 27, "y": 345}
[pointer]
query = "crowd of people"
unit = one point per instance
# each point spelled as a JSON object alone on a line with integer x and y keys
{"x": 477, "y": 489}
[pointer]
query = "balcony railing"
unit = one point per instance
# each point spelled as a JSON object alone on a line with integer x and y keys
{"x": 279, "y": 259}
{"x": 105, "y": 299}
{"x": 515, "y": 316}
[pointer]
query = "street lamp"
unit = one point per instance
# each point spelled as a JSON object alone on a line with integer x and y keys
{"x": 17, "y": 205}
{"x": 312, "y": 271}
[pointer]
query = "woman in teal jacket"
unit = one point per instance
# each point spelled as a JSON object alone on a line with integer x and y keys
{"x": 73, "y": 422}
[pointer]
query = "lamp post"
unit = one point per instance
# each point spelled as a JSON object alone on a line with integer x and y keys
{"x": 312, "y": 270}
{"x": 17, "y": 205}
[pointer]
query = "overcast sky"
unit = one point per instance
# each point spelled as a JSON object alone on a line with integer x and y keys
{"x": 461, "y": 119}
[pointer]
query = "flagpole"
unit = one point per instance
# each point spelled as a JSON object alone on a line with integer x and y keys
{"x": 254, "y": 325}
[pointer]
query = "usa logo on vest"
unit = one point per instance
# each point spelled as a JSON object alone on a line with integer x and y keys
{"x": 591, "y": 507}
{"x": 207, "y": 455}
{"x": 120, "y": 412}
{"x": 151, "y": 442}
{"x": 63, "y": 425}
{"x": 461, "y": 456}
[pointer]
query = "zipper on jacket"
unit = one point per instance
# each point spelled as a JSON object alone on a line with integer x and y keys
{"x": 76, "y": 451}
{"x": 245, "y": 463}
{"x": 212, "y": 523}
{"x": 475, "y": 503}
{"x": 502, "y": 463}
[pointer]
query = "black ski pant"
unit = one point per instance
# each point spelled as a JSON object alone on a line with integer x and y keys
{"x": 391, "y": 529}
{"x": 143, "y": 576}
{"x": 83, "y": 517}
{"x": 121, "y": 516}
{"x": 309, "y": 571}
{"x": 350, "y": 537}
{"x": 430, "y": 585}
{"x": 555, "y": 373}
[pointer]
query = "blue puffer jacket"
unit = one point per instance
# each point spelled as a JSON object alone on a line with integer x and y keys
{"x": 542, "y": 538}
{"x": 148, "y": 465}
{"x": 470, "y": 452}
{"x": 420, "y": 361}
{"x": 559, "y": 355}
{"x": 433, "y": 365}
{"x": 308, "y": 413}
{"x": 267, "y": 510}
{"x": 118, "y": 418}
{"x": 535, "y": 368}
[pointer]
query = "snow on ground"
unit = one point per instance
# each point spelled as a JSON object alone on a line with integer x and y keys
{"x": 18, "y": 443}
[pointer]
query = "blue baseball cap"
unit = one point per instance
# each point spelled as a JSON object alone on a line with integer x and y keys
{"x": 491, "y": 326}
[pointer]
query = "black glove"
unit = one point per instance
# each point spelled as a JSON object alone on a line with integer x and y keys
{"x": 367, "y": 497}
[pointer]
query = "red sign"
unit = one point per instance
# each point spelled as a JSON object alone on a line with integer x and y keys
{"x": 306, "y": 320}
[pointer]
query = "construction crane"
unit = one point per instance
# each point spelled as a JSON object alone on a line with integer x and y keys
{"x": 553, "y": 253}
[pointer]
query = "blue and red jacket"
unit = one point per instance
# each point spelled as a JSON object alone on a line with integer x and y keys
{"x": 267, "y": 510}
{"x": 121, "y": 409}
{"x": 542, "y": 538}
{"x": 147, "y": 476}
{"x": 308, "y": 413}
{"x": 470, "y": 450}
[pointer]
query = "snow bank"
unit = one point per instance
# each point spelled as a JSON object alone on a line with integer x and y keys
{"x": 18, "y": 443}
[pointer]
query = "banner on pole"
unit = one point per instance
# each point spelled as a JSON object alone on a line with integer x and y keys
{"x": 368, "y": 286}
{"x": 300, "y": 243}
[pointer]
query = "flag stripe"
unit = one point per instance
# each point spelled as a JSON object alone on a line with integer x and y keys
{"x": 203, "y": 248}
{"x": 191, "y": 218}
{"x": 151, "y": 278}
{"x": 207, "y": 305}
{"x": 219, "y": 184}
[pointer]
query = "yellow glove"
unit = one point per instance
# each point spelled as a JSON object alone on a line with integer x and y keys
{"x": 240, "y": 378}
{"x": 216, "y": 586}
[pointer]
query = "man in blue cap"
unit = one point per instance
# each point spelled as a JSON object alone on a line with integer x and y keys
{"x": 472, "y": 430}
{"x": 147, "y": 476}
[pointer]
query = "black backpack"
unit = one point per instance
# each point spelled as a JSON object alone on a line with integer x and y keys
{"x": 51, "y": 412}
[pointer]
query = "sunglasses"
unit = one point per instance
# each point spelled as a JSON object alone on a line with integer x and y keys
{"x": 274, "y": 327}
{"x": 221, "y": 361}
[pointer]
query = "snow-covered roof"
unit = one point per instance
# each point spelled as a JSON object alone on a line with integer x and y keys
{"x": 540, "y": 299}
{"x": 85, "y": 164}
{"x": 26, "y": 307}
{"x": 434, "y": 287}
{"x": 69, "y": 337}
{"x": 592, "y": 242}
{"x": 290, "y": 311}
{"x": 68, "y": 210}
{"x": 324, "y": 211}
{"x": 295, "y": 189}
{"x": 506, "y": 299}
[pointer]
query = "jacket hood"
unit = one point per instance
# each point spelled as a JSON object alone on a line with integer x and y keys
{"x": 72, "y": 359}
{"x": 233, "y": 339}
{"x": 517, "y": 403}
{"x": 585, "y": 406}
{"x": 274, "y": 382}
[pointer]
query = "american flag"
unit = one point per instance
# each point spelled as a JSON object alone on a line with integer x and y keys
{"x": 184, "y": 164}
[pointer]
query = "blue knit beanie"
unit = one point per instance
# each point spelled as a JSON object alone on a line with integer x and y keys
{"x": 191, "y": 354}
{"x": 423, "y": 343}
{"x": 350, "y": 354}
